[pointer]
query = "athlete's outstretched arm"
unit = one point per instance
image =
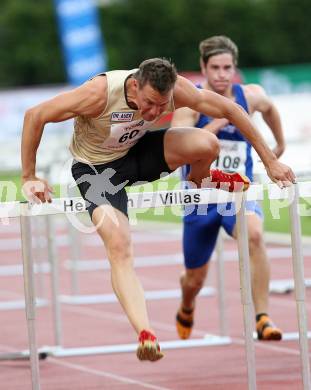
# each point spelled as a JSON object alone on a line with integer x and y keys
{"x": 89, "y": 100}
{"x": 217, "y": 106}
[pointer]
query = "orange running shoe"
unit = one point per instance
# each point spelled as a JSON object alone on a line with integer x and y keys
{"x": 266, "y": 330}
{"x": 148, "y": 347}
{"x": 184, "y": 322}
{"x": 231, "y": 182}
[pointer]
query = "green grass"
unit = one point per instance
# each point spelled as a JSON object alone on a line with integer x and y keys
{"x": 10, "y": 188}
{"x": 276, "y": 212}
{"x": 277, "y": 216}
{"x": 167, "y": 214}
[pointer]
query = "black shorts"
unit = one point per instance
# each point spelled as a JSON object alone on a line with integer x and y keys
{"x": 105, "y": 183}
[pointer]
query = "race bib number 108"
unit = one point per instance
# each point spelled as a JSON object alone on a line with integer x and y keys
{"x": 232, "y": 156}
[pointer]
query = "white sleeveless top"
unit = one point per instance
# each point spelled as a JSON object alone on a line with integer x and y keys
{"x": 110, "y": 135}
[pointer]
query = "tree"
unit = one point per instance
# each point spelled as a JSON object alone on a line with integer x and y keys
{"x": 30, "y": 52}
{"x": 268, "y": 32}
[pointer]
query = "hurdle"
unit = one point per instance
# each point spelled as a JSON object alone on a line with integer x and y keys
{"x": 74, "y": 266}
{"x": 169, "y": 198}
{"x": 293, "y": 194}
{"x": 299, "y": 286}
{"x": 17, "y": 269}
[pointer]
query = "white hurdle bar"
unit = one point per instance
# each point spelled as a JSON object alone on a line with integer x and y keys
{"x": 160, "y": 199}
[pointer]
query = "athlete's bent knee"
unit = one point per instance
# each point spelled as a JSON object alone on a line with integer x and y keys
{"x": 255, "y": 238}
{"x": 119, "y": 251}
{"x": 207, "y": 145}
{"x": 195, "y": 280}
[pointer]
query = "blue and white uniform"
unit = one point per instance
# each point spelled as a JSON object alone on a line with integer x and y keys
{"x": 202, "y": 224}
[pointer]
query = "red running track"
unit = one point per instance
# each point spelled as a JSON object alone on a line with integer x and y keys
{"x": 208, "y": 368}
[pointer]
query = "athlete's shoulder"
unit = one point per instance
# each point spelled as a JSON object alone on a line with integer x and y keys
{"x": 96, "y": 86}
{"x": 256, "y": 98}
{"x": 250, "y": 89}
{"x": 254, "y": 93}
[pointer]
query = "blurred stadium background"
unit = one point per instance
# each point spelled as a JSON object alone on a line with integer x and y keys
{"x": 47, "y": 47}
{"x": 50, "y": 46}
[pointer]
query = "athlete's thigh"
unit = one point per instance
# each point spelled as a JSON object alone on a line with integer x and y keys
{"x": 148, "y": 156}
{"x": 199, "y": 238}
{"x": 113, "y": 227}
{"x": 101, "y": 185}
{"x": 184, "y": 145}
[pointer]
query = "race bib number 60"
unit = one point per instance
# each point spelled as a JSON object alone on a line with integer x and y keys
{"x": 124, "y": 135}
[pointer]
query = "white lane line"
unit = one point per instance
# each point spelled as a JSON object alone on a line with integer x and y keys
{"x": 171, "y": 259}
{"x": 139, "y": 262}
{"x": 106, "y": 374}
{"x": 62, "y": 239}
{"x": 92, "y": 371}
{"x": 159, "y": 325}
{"x": 270, "y": 347}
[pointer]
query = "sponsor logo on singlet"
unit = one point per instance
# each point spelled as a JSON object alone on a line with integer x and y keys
{"x": 121, "y": 116}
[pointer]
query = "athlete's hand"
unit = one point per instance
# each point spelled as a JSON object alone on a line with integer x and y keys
{"x": 220, "y": 122}
{"x": 216, "y": 124}
{"x": 36, "y": 190}
{"x": 281, "y": 174}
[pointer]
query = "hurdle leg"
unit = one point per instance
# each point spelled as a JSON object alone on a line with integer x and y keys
{"x": 221, "y": 285}
{"x": 74, "y": 243}
{"x": 53, "y": 261}
{"x": 246, "y": 294}
{"x": 29, "y": 287}
{"x": 299, "y": 286}
{"x": 38, "y": 255}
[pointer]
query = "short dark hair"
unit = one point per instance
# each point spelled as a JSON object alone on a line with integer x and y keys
{"x": 160, "y": 73}
{"x": 218, "y": 44}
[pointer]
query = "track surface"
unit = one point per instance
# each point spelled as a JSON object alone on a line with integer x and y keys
{"x": 218, "y": 367}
